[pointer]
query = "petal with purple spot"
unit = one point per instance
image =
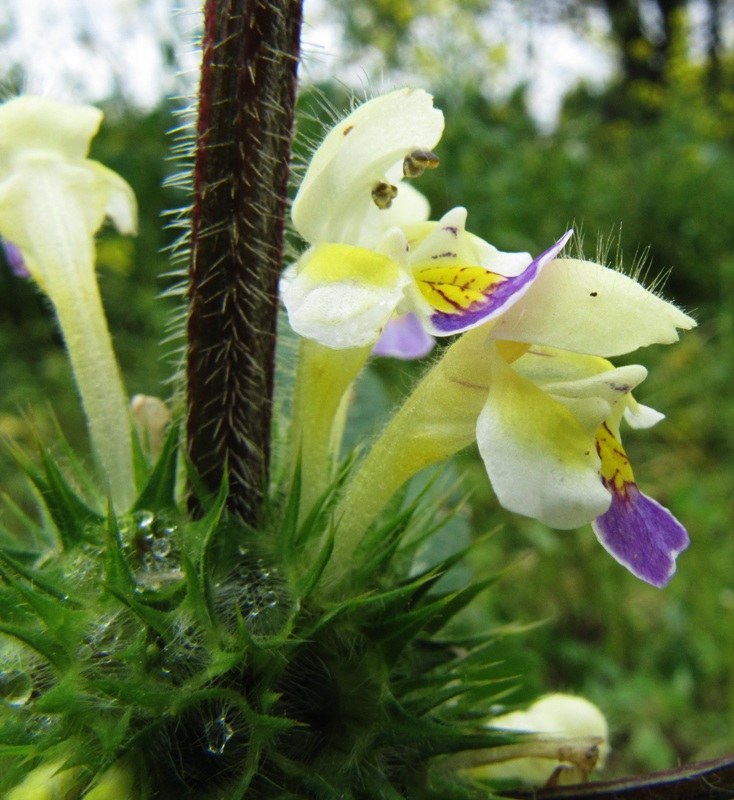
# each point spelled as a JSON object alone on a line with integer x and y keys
{"x": 641, "y": 534}
{"x": 15, "y": 260}
{"x": 403, "y": 337}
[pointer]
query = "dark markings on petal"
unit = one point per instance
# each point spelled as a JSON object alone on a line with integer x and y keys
{"x": 451, "y": 302}
{"x": 347, "y": 130}
{"x": 452, "y": 229}
{"x": 447, "y": 254}
{"x": 593, "y": 294}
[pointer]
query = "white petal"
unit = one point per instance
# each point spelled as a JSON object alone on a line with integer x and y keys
{"x": 38, "y": 123}
{"x": 120, "y": 205}
{"x": 343, "y": 296}
{"x": 540, "y": 460}
{"x": 584, "y": 307}
{"x": 408, "y": 208}
{"x": 640, "y": 416}
{"x": 334, "y": 201}
{"x": 577, "y": 382}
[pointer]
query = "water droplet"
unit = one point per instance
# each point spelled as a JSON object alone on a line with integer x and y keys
{"x": 15, "y": 687}
{"x": 218, "y": 733}
{"x": 84, "y": 652}
{"x": 160, "y": 547}
{"x": 104, "y": 640}
{"x": 143, "y": 521}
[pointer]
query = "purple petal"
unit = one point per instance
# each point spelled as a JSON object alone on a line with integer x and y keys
{"x": 641, "y": 535}
{"x": 499, "y": 297}
{"x": 404, "y": 337}
{"x": 15, "y": 260}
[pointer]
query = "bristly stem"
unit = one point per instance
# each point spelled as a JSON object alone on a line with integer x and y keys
{"x": 244, "y": 130}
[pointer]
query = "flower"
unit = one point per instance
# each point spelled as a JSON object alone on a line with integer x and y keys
{"x": 570, "y": 739}
{"x": 49, "y": 781}
{"x": 548, "y": 435}
{"x": 637, "y": 531}
{"x": 361, "y": 155}
{"x": 15, "y": 260}
{"x": 534, "y": 389}
{"x": 115, "y": 783}
{"x": 372, "y": 253}
{"x": 53, "y": 199}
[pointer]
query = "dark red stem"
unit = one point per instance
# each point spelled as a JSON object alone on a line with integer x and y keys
{"x": 244, "y": 131}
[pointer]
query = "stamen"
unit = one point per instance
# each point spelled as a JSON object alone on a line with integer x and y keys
{"x": 415, "y": 163}
{"x": 383, "y": 194}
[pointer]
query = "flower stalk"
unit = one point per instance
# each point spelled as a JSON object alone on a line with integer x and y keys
{"x": 245, "y": 119}
{"x": 323, "y": 378}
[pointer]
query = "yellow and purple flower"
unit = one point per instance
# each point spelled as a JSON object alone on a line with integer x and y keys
{"x": 528, "y": 380}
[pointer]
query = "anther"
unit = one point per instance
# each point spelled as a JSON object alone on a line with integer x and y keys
{"x": 383, "y": 194}
{"x": 415, "y": 163}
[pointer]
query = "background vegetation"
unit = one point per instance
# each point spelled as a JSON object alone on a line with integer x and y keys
{"x": 645, "y": 170}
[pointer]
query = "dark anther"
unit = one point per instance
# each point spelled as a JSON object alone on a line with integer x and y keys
{"x": 416, "y": 162}
{"x": 383, "y": 194}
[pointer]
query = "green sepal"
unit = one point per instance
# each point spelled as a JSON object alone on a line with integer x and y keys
{"x": 69, "y": 513}
{"x": 55, "y": 615}
{"x": 200, "y": 541}
{"x": 117, "y": 570}
{"x": 156, "y": 620}
{"x": 159, "y": 491}
{"x": 78, "y": 472}
{"x": 141, "y": 463}
{"x": 38, "y": 640}
{"x": 458, "y": 601}
{"x": 39, "y": 580}
{"x": 308, "y": 581}
{"x": 306, "y": 778}
{"x": 430, "y": 737}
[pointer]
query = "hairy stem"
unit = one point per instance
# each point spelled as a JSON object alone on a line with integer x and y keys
{"x": 244, "y": 130}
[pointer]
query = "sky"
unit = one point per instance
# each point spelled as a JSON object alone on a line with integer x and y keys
{"x": 85, "y": 50}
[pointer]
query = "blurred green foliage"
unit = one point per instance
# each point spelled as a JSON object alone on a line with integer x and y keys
{"x": 660, "y": 663}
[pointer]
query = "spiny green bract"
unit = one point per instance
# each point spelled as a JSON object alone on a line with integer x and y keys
{"x": 210, "y": 660}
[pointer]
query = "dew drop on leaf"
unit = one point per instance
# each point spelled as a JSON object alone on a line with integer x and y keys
{"x": 15, "y": 687}
{"x": 218, "y": 733}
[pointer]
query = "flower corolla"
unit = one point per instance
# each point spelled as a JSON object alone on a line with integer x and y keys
{"x": 53, "y": 200}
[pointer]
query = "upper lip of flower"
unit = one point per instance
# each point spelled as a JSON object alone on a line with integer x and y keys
{"x": 334, "y": 202}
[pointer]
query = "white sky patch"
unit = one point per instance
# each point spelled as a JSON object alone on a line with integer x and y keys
{"x": 549, "y": 58}
{"x": 89, "y": 50}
